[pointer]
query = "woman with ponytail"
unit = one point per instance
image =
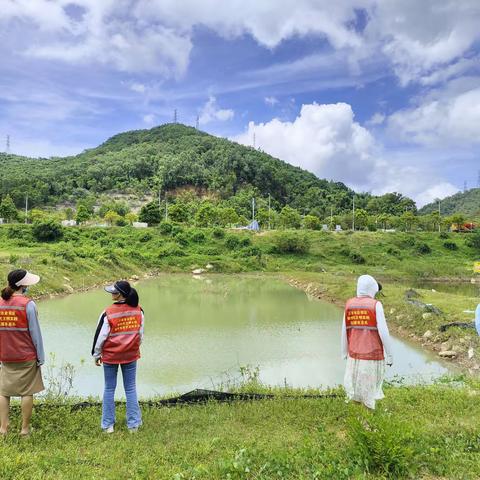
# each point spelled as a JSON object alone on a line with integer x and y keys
{"x": 21, "y": 348}
{"x": 117, "y": 342}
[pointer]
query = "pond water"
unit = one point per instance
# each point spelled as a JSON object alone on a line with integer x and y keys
{"x": 458, "y": 288}
{"x": 200, "y": 331}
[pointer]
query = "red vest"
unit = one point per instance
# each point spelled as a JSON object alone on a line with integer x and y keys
{"x": 123, "y": 342}
{"x": 364, "y": 342}
{"x": 15, "y": 341}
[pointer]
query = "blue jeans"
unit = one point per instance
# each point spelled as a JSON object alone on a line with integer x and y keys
{"x": 129, "y": 371}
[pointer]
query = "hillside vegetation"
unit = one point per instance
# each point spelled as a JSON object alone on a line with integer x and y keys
{"x": 173, "y": 157}
{"x": 467, "y": 203}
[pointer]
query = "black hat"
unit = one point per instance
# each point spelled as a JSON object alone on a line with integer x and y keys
{"x": 122, "y": 287}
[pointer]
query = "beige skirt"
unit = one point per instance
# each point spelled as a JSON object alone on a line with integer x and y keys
{"x": 20, "y": 379}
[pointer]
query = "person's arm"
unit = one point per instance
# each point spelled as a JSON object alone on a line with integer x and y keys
{"x": 35, "y": 333}
{"x": 477, "y": 318}
{"x": 344, "y": 344}
{"x": 383, "y": 333}
{"x": 103, "y": 330}
{"x": 142, "y": 327}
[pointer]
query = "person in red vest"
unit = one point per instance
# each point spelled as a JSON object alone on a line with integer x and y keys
{"x": 21, "y": 348}
{"x": 117, "y": 343}
{"x": 365, "y": 344}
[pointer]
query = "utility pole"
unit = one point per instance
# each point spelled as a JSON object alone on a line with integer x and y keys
{"x": 160, "y": 197}
{"x": 439, "y": 217}
{"x": 269, "y": 211}
{"x": 253, "y": 209}
{"x": 353, "y": 219}
{"x": 26, "y": 208}
{"x": 331, "y": 216}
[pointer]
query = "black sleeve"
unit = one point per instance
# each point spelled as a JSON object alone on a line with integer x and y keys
{"x": 97, "y": 331}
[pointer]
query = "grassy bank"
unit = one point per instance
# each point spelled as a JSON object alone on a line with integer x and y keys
{"x": 417, "y": 432}
{"x": 88, "y": 256}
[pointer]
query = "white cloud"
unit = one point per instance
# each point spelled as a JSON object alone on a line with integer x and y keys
{"x": 271, "y": 101}
{"x": 323, "y": 139}
{"x": 448, "y": 116}
{"x": 149, "y": 119}
{"x": 211, "y": 113}
{"x": 138, "y": 87}
{"x": 377, "y": 119}
{"x": 326, "y": 140}
{"x": 420, "y": 39}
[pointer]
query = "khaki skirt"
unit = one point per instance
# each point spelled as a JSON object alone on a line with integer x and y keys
{"x": 20, "y": 379}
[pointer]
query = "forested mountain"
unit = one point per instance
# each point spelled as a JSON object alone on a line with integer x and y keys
{"x": 467, "y": 203}
{"x": 171, "y": 157}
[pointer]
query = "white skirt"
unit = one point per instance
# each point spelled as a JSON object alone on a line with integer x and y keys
{"x": 363, "y": 381}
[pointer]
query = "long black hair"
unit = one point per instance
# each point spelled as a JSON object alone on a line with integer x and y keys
{"x": 13, "y": 277}
{"x": 128, "y": 292}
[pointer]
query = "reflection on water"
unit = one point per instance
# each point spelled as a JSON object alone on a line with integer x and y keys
{"x": 198, "y": 329}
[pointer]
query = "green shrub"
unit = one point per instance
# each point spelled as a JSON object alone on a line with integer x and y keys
{"x": 473, "y": 241}
{"x": 182, "y": 239}
{"x": 423, "y": 249}
{"x": 291, "y": 242}
{"x": 197, "y": 236}
{"x": 379, "y": 445}
{"x": 245, "y": 241}
{"x": 18, "y": 232}
{"x": 232, "y": 242}
{"x": 218, "y": 233}
{"x": 145, "y": 237}
{"x": 166, "y": 227}
{"x": 450, "y": 245}
{"x": 47, "y": 231}
{"x": 443, "y": 235}
{"x": 357, "y": 258}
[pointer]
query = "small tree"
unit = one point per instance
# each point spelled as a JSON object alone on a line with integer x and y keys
{"x": 131, "y": 217}
{"x": 82, "y": 214}
{"x": 69, "y": 213}
{"x": 112, "y": 217}
{"x": 290, "y": 218}
{"x": 150, "y": 213}
{"x": 206, "y": 215}
{"x": 311, "y": 222}
{"x": 8, "y": 211}
{"x": 178, "y": 212}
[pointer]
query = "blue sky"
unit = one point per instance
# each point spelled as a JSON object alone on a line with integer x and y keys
{"x": 383, "y": 95}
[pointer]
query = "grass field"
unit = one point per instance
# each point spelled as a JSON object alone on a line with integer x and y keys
{"x": 430, "y": 432}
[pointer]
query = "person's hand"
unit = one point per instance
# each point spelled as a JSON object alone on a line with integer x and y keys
{"x": 98, "y": 361}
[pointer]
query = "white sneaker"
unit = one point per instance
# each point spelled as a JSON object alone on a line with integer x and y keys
{"x": 110, "y": 429}
{"x": 133, "y": 430}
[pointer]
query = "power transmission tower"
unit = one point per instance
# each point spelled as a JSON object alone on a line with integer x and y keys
{"x": 197, "y": 123}
{"x": 175, "y": 116}
{"x": 7, "y": 150}
{"x": 464, "y": 186}
{"x": 254, "y": 140}
{"x": 478, "y": 180}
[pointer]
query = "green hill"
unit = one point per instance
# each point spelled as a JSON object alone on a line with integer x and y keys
{"x": 467, "y": 203}
{"x": 172, "y": 157}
